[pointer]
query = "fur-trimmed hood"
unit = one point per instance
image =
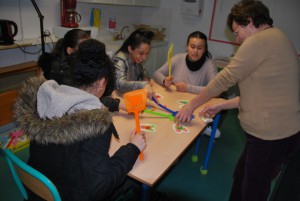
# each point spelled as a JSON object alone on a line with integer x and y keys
{"x": 67, "y": 129}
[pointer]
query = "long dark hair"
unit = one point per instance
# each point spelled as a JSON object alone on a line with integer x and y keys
{"x": 243, "y": 11}
{"x": 198, "y": 34}
{"x": 70, "y": 39}
{"x": 136, "y": 38}
{"x": 54, "y": 64}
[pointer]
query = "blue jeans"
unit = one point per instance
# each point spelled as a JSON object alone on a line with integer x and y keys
{"x": 259, "y": 164}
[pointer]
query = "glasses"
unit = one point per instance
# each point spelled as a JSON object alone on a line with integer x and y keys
{"x": 234, "y": 31}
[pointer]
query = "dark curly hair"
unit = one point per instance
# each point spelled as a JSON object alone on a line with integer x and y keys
{"x": 54, "y": 64}
{"x": 247, "y": 10}
{"x": 136, "y": 38}
{"x": 91, "y": 63}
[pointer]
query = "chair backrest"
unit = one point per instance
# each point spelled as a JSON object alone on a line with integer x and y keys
{"x": 31, "y": 178}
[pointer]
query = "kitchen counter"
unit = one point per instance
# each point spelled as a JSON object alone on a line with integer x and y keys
{"x": 29, "y": 42}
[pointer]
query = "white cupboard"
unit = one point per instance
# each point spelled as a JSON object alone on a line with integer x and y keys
{"x": 157, "y": 57}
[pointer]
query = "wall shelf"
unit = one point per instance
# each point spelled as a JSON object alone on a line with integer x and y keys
{"x": 29, "y": 42}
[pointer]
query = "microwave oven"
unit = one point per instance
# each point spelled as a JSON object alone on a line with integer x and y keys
{"x": 59, "y": 32}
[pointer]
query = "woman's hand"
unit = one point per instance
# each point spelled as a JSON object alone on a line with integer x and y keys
{"x": 224, "y": 105}
{"x": 210, "y": 110}
{"x": 122, "y": 105}
{"x": 168, "y": 81}
{"x": 138, "y": 140}
{"x": 181, "y": 86}
{"x": 185, "y": 114}
{"x": 152, "y": 104}
{"x": 150, "y": 91}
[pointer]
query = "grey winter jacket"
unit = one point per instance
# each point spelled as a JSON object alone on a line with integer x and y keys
{"x": 72, "y": 151}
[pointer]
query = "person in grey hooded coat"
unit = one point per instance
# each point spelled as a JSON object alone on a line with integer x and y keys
{"x": 70, "y": 130}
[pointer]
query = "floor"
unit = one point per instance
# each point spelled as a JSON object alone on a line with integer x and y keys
{"x": 216, "y": 184}
{"x": 184, "y": 182}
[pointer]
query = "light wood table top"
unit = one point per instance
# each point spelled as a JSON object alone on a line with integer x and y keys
{"x": 163, "y": 146}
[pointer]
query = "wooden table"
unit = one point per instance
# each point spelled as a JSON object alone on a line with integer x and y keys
{"x": 163, "y": 146}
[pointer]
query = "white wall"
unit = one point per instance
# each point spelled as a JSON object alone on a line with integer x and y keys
{"x": 167, "y": 15}
{"x": 23, "y": 13}
{"x": 182, "y": 26}
{"x": 280, "y": 11}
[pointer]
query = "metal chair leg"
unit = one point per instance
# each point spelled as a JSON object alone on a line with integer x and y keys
{"x": 211, "y": 140}
{"x": 195, "y": 155}
{"x": 146, "y": 192}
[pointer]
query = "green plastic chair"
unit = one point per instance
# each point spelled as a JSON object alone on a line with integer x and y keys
{"x": 31, "y": 178}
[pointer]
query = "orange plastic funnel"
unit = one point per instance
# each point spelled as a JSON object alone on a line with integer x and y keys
{"x": 135, "y": 101}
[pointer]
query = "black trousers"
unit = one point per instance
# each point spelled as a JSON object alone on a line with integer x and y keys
{"x": 288, "y": 187}
{"x": 259, "y": 164}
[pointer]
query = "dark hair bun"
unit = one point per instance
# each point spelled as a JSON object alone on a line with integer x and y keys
{"x": 91, "y": 50}
{"x": 91, "y": 63}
